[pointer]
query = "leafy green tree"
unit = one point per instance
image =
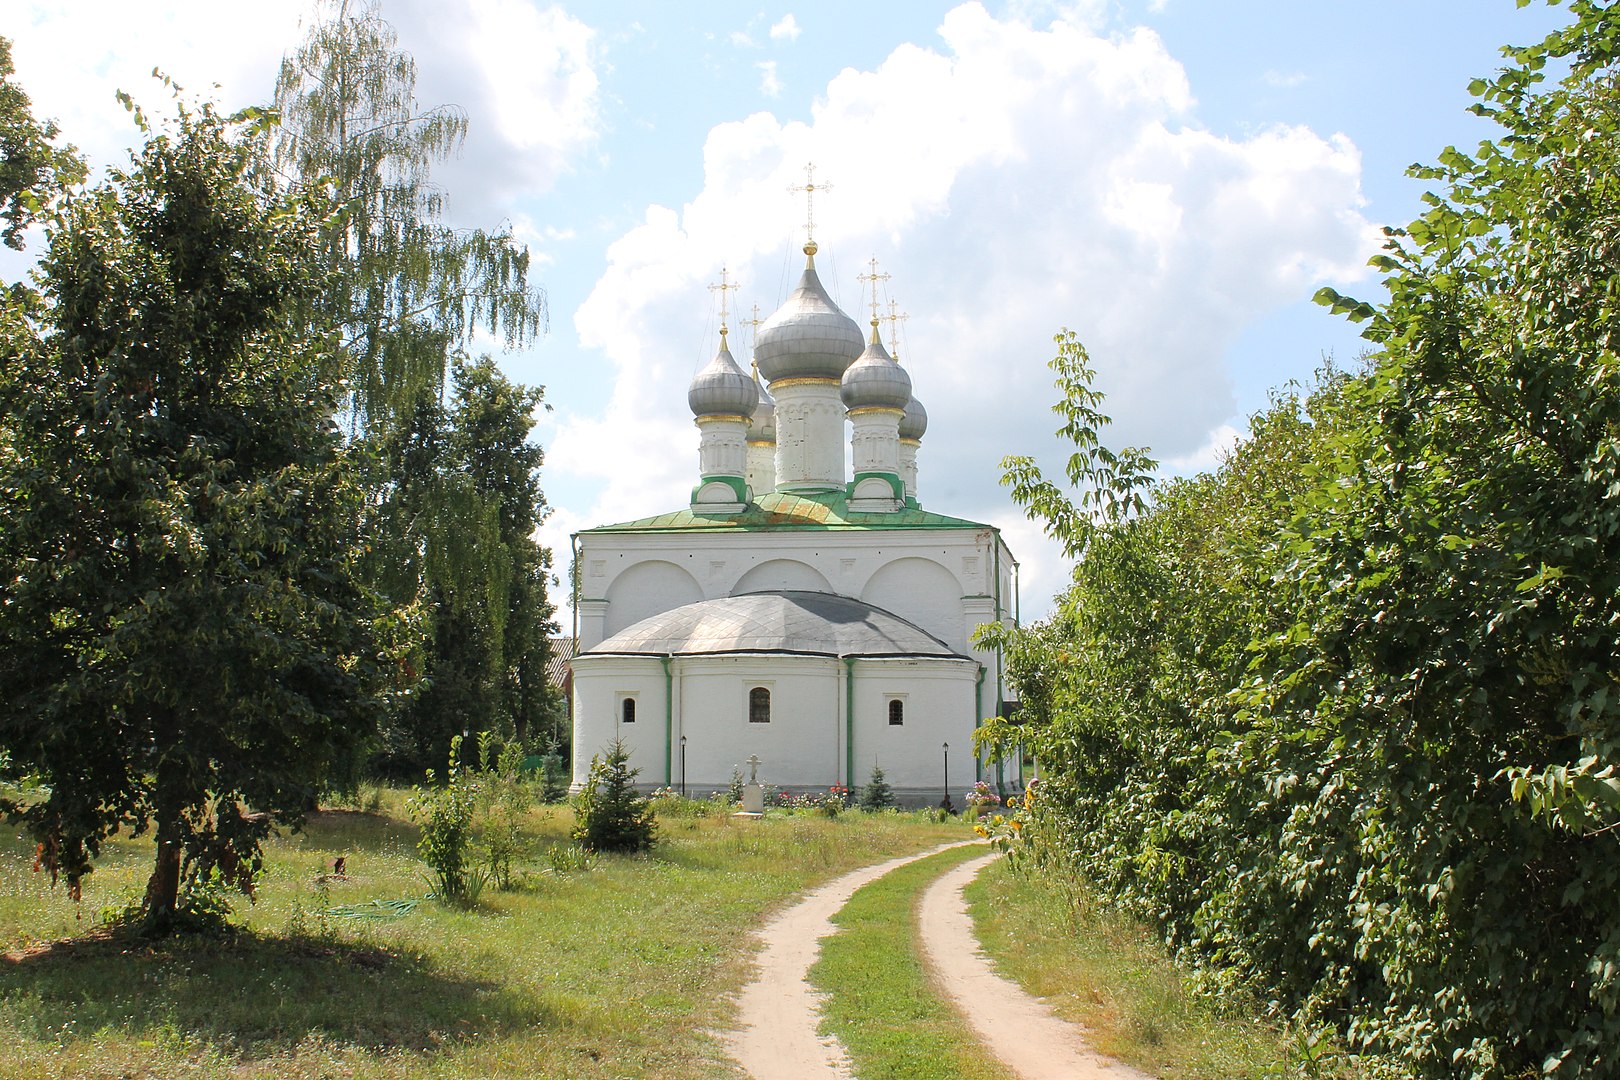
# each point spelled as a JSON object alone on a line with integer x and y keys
{"x": 475, "y": 473}
{"x": 453, "y": 491}
{"x": 405, "y": 289}
{"x": 609, "y": 813}
{"x": 1343, "y": 717}
{"x": 32, "y": 168}
{"x": 183, "y": 643}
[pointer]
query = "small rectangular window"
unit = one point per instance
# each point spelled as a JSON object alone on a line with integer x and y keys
{"x": 897, "y": 712}
{"x": 627, "y": 710}
{"x": 759, "y": 705}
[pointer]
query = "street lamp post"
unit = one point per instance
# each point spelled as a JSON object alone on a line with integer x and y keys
{"x": 683, "y": 766}
{"x": 946, "y": 801}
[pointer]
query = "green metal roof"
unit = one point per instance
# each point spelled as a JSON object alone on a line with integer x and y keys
{"x": 827, "y": 511}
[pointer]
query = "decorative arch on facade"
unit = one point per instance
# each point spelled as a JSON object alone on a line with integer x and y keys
{"x": 645, "y": 589}
{"x": 922, "y": 592}
{"x": 782, "y": 574}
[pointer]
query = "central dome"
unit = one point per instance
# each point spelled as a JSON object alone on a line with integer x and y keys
{"x": 785, "y": 621}
{"x": 807, "y": 337}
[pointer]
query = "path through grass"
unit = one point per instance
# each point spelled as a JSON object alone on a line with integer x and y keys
{"x": 1103, "y": 972}
{"x": 881, "y": 1002}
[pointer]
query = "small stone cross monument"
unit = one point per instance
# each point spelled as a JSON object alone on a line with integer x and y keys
{"x": 753, "y": 796}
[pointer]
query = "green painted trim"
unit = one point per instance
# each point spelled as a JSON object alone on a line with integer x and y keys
{"x": 995, "y": 546}
{"x": 849, "y": 722}
{"x": 783, "y": 511}
{"x": 737, "y": 484}
{"x": 669, "y": 723}
{"x": 897, "y": 486}
{"x": 978, "y": 719}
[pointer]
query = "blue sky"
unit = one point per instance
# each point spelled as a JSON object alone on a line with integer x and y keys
{"x": 1171, "y": 178}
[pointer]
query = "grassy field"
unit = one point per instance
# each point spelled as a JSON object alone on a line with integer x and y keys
{"x": 625, "y": 969}
{"x": 1104, "y": 973}
{"x": 622, "y": 970}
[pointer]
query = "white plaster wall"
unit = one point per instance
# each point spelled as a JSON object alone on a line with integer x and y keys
{"x": 599, "y": 683}
{"x": 619, "y": 587}
{"x": 930, "y": 594}
{"x": 648, "y": 587}
{"x": 809, "y": 435}
{"x": 799, "y": 749}
{"x": 782, "y": 574}
{"x": 939, "y": 708}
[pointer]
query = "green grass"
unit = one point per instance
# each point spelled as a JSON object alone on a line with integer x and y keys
{"x": 881, "y": 1003}
{"x": 1104, "y": 972}
{"x": 622, "y": 970}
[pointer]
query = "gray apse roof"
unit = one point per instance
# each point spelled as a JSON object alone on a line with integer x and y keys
{"x": 787, "y": 621}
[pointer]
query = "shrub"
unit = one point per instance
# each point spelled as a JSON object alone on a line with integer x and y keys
{"x": 876, "y": 795}
{"x": 610, "y": 815}
{"x": 446, "y": 817}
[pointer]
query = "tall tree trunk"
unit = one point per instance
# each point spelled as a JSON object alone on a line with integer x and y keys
{"x": 163, "y": 887}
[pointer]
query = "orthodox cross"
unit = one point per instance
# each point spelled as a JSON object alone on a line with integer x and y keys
{"x": 809, "y": 187}
{"x": 874, "y": 277}
{"x": 724, "y": 287}
{"x": 754, "y": 324}
{"x": 895, "y": 317}
{"x": 753, "y": 768}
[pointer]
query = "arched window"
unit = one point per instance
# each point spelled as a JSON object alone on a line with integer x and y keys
{"x": 897, "y": 712}
{"x": 759, "y": 705}
{"x": 627, "y": 710}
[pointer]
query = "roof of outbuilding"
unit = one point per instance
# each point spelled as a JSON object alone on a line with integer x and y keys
{"x": 779, "y": 621}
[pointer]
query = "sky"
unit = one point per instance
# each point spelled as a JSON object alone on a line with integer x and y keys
{"x": 1171, "y": 179}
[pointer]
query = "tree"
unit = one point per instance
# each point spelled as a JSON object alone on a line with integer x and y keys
{"x": 183, "y": 642}
{"x": 32, "y": 168}
{"x": 876, "y": 795}
{"x": 404, "y": 288}
{"x": 474, "y": 472}
{"x": 1343, "y": 717}
{"x": 609, "y": 814}
{"x": 453, "y": 494}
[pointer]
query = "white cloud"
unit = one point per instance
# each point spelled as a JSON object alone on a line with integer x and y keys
{"x": 769, "y": 84}
{"x": 526, "y": 76}
{"x": 1283, "y": 80}
{"x": 1221, "y": 442}
{"x": 742, "y": 40}
{"x": 785, "y": 29}
{"x": 1017, "y": 181}
{"x": 114, "y": 45}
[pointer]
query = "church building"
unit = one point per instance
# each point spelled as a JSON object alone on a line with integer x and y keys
{"x": 817, "y": 620}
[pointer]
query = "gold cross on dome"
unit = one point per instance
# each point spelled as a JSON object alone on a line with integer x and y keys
{"x": 874, "y": 277}
{"x": 809, "y": 187}
{"x": 725, "y": 286}
{"x": 895, "y": 317}
{"x": 754, "y": 324}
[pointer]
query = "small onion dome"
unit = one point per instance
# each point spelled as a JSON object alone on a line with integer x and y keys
{"x": 875, "y": 381}
{"x": 807, "y": 337}
{"x": 762, "y": 425}
{"x": 721, "y": 388}
{"x": 915, "y": 422}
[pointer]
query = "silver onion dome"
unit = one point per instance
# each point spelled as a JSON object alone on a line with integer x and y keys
{"x": 807, "y": 337}
{"x": 762, "y": 424}
{"x": 722, "y": 388}
{"x": 875, "y": 381}
{"x": 915, "y": 422}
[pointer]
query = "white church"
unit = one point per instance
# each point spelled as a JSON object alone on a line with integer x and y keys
{"x": 816, "y": 620}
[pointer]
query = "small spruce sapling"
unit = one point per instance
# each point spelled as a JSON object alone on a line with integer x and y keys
{"x": 876, "y": 795}
{"x": 610, "y": 814}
